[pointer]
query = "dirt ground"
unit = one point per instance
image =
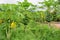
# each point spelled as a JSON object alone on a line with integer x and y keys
{"x": 55, "y": 24}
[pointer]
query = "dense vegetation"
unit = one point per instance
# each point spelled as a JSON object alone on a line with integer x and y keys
{"x": 23, "y": 21}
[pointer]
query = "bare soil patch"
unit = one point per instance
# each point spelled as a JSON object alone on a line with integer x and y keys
{"x": 55, "y": 24}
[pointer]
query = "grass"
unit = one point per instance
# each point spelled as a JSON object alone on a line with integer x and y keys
{"x": 32, "y": 31}
{"x": 36, "y": 32}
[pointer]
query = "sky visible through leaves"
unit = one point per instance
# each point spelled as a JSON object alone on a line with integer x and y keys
{"x": 15, "y": 1}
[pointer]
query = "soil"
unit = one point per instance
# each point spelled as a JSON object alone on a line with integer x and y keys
{"x": 56, "y": 24}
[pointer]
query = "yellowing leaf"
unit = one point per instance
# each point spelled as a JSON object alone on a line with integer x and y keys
{"x": 42, "y": 16}
{"x": 13, "y": 25}
{"x": 1, "y": 21}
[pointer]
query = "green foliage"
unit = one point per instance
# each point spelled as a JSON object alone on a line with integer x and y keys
{"x": 58, "y": 13}
{"x": 17, "y": 22}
